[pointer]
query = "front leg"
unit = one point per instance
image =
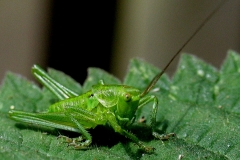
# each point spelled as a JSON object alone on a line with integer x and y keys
{"x": 154, "y": 99}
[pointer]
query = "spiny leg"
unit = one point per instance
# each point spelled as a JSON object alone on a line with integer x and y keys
{"x": 117, "y": 128}
{"x": 83, "y": 131}
{"x": 71, "y": 141}
{"x": 78, "y": 113}
{"x": 56, "y": 88}
{"x": 143, "y": 102}
{"x": 66, "y": 121}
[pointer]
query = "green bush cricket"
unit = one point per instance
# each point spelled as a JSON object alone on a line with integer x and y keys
{"x": 113, "y": 104}
{"x": 103, "y": 104}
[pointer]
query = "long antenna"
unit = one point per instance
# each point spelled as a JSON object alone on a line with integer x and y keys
{"x": 156, "y": 78}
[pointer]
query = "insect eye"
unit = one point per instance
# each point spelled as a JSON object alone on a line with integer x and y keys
{"x": 128, "y": 97}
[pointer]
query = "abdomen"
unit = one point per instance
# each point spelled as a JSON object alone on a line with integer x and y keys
{"x": 85, "y": 101}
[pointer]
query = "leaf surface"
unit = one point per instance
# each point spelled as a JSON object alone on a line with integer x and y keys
{"x": 200, "y": 104}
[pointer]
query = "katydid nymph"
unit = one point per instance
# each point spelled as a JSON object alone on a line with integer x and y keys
{"x": 104, "y": 104}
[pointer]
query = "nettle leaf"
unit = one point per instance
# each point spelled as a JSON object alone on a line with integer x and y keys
{"x": 97, "y": 74}
{"x": 143, "y": 72}
{"x": 200, "y": 104}
{"x": 65, "y": 80}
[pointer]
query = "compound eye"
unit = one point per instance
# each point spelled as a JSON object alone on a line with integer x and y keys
{"x": 128, "y": 97}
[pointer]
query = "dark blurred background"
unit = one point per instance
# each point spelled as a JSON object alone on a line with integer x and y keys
{"x": 71, "y": 36}
{"x": 81, "y": 35}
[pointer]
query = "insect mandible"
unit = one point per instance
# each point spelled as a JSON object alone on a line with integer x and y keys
{"x": 103, "y": 104}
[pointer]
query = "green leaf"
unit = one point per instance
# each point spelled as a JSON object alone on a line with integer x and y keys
{"x": 141, "y": 73}
{"x": 200, "y": 104}
{"x": 95, "y": 75}
{"x": 65, "y": 80}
